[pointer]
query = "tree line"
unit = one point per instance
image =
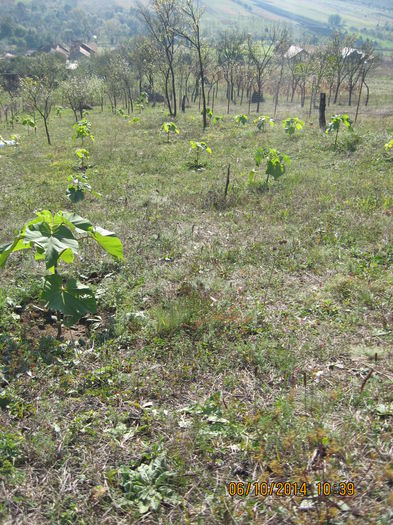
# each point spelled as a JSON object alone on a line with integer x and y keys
{"x": 174, "y": 63}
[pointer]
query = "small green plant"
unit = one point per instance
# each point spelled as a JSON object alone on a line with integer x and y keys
{"x": 83, "y": 156}
{"x": 149, "y": 485}
{"x": 142, "y": 101}
{"x": 241, "y": 119}
{"x": 80, "y": 183}
{"x": 55, "y": 239}
{"x": 29, "y": 122}
{"x": 262, "y": 121}
{"x": 218, "y": 119}
{"x": 168, "y": 128}
{"x": 389, "y": 146}
{"x": 292, "y": 124}
{"x": 335, "y": 124}
{"x": 83, "y": 130}
{"x": 10, "y": 452}
{"x": 275, "y": 164}
{"x": 121, "y": 113}
{"x": 209, "y": 113}
{"x": 134, "y": 120}
{"x": 199, "y": 147}
{"x": 58, "y": 111}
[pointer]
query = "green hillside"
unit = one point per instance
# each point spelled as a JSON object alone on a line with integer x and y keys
{"x": 371, "y": 19}
{"x": 34, "y": 24}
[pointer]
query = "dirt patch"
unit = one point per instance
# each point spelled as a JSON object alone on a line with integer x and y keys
{"x": 38, "y": 323}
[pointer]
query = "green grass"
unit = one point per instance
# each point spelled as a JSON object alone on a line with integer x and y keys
{"x": 234, "y": 341}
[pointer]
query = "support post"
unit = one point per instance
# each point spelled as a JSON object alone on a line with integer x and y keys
{"x": 322, "y": 111}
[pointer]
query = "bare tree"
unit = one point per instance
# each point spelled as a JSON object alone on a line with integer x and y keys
{"x": 355, "y": 66}
{"x": 161, "y": 20}
{"x": 280, "y": 50}
{"x": 230, "y": 50}
{"x": 340, "y": 48}
{"x": 261, "y": 55}
{"x": 39, "y": 94}
{"x": 75, "y": 93}
{"x": 190, "y": 29}
{"x": 39, "y": 88}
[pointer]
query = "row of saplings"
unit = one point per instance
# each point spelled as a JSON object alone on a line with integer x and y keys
{"x": 55, "y": 238}
{"x": 275, "y": 161}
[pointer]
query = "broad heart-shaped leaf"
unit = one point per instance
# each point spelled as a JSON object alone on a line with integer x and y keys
{"x": 105, "y": 238}
{"x": 275, "y": 168}
{"x": 347, "y": 122}
{"x": 259, "y": 156}
{"x": 334, "y": 123}
{"x": 7, "y": 249}
{"x": 75, "y": 194}
{"x": 57, "y": 242}
{"x": 108, "y": 241}
{"x": 70, "y": 297}
{"x": 80, "y": 224}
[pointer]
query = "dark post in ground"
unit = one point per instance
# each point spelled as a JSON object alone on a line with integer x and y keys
{"x": 322, "y": 110}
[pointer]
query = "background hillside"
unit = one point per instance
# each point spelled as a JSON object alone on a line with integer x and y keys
{"x": 35, "y": 23}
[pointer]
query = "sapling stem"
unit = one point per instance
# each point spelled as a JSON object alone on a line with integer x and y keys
{"x": 227, "y": 181}
{"x": 58, "y": 316}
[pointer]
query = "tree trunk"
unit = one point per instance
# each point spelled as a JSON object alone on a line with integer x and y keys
{"x": 337, "y": 90}
{"x": 278, "y": 88}
{"x": 259, "y": 90}
{"x": 47, "y": 131}
{"x": 368, "y": 94}
{"x": 173, "y": 91}
{"x": 168, "y": 101}
{"x": 202, "y": 85}
{"x": 302, "y": 95}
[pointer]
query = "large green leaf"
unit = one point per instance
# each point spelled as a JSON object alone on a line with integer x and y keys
{"x": 275, "y": 168}
{"x": 70, "y": 297}
{"x": 52, "y": 237}
{"x": 75, "y": 194}
{"x": 79, "y": 223}
{"x": 7, "y": 249}
{"x": 108, "y": 241}
{"x": 105, "y": 238}
{"x": 259, "y": 156}
{"x": 57, "y": 244}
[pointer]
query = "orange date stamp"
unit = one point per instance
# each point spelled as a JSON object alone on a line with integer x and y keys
{"x": 286, "y": 489}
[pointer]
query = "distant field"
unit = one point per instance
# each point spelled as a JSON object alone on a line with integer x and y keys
{"x": 311, "y": 15}
{"x": 352, "y": 13}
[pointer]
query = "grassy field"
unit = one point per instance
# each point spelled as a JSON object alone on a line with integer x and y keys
{"x": 303, "y": 15}
{"x": 305, "y": 18}
{"x": 246, "y": 339}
